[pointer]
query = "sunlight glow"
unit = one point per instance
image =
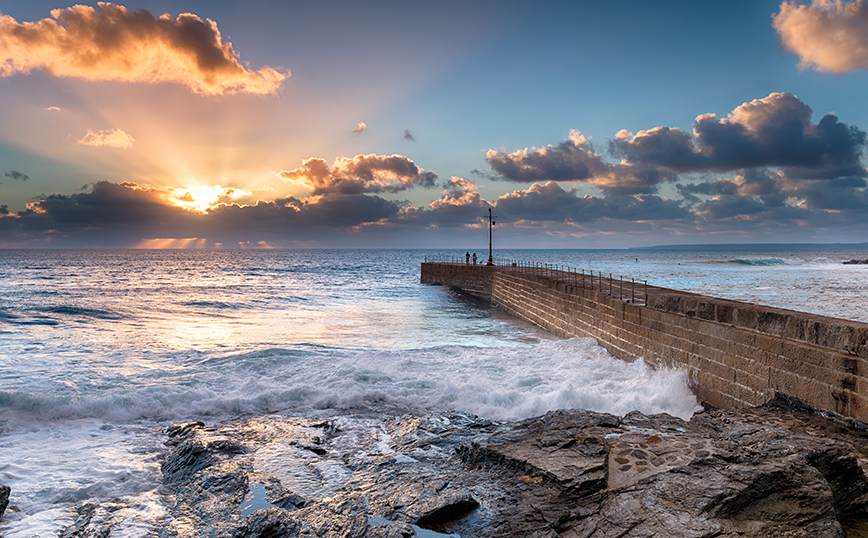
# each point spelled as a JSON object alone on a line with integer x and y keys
{"x": 169, "y": 242}
{"x": 204, "y": 197}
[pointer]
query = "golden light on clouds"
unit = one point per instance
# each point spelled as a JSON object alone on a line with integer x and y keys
{"x": 205, "y": 197}
{"x": 110, "y": 42}
{"x": 115, "y": 138}
{"x": 360, "y": 174}
{"x": 827, "y": 35}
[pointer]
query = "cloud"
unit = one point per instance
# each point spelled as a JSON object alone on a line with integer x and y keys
{"x": 775, "y": 131}
{"x": 126, "y": 214}
{"x": 114, "y": 43}
{"x": 460, "y": 202}
{"x": 53, "y": 109}
{"x": 571, "y": 160}
{"x": 4, "y": 210}
{"x": 360, "y": 174}
{"x": 551, "y": 203}
{"x": 409, "y": 136}
{"x": 753, "y": 182}
{"x": 459, "y": 205}
{"x": 115, "y": 138}
{"x": 828, "y": 35}
{"x": 361, "y": 129}
{"x": 574, "y": 160}
{"x": 16, "y": 175}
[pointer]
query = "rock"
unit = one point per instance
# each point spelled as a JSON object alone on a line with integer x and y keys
{"x": 268, "y": 523}
{"x": 856, "y": 262}
{"x": 81, "y": 527}
{"x": 5, "y": 491}
{"x": 183, "y": 430}
{"x": 443, "y": 510}
{"x": 777, "y": 470}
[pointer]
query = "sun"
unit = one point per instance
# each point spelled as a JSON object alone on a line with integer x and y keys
{"x": 204, "y": 197}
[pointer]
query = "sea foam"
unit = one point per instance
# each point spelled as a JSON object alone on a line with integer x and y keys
{"x": 500, "y": 383}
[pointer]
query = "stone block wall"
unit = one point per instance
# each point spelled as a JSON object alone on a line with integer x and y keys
{"x": 737, "y": 354}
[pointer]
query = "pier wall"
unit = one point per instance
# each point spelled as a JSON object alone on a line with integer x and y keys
{"x": 737, "y": 354}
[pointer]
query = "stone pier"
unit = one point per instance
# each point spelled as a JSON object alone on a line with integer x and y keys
{"x": 737, "y": 354}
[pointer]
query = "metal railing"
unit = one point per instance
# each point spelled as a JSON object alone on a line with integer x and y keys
{"x": 619, "y": 287}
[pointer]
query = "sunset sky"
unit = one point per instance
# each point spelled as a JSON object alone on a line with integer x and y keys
{"x": 398, "y": 124}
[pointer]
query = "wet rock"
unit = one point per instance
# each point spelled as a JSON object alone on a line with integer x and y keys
{"x": 188, "y": 457}
{"x": 269, "y": 523}
{"x": 856, "y": 262}
{"x": 178, "y": 432}
{"x": 5, "y": 491}
{"x": 82, "y": 527}
{"x": 769, "y": 471}
{"x": 443, "y": 510}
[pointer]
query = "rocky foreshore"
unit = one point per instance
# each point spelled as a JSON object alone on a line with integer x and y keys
{"x": 774, "y": 470}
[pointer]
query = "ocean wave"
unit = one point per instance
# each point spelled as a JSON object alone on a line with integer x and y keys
{"x": 765, "y": 262}
{"x": 13, "y": 319}
{"x": 496, "y": 383}
{"x": 220, "y": 305}
{"x": 758, "y": 262}
{"x": 76, "y": 311}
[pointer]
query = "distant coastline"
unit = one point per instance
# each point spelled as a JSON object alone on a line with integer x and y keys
{"x": 761, "y": 246}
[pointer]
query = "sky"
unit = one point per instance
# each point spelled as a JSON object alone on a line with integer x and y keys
{"x": 336, "y": 124}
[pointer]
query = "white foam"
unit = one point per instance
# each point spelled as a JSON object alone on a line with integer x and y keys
{"x": 52, "y": 455}
{"x": 74, "y": 462}
{"x": 499, "y": 383}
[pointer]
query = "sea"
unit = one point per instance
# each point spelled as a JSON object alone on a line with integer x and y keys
{"x": 101, "y": 350}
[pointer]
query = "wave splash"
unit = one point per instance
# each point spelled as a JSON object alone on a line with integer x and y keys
{"x": 767, "y": 262}
{"x": 496, "y": 383}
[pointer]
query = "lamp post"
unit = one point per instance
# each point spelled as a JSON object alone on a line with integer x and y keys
{"x": 491, "y": 224}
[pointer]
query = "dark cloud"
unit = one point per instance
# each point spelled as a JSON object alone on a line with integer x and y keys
{"x": 16, "y": 175}
{"x": 647, "y": 207}
{"x": 361, "y": 174}
{"x": 709, "y": 188}
{"x": 110, "y": 42}
{"x": 409, "y": 136}
{"x": 765, "y": 201}
{"x": 571, "y": 160}
{"x": 459, "y": 204}
{"x": 124, "y": 214}
{"x": 775, "y": 131}
{"x": 550, "y": 203}
{"x": 844, "y": 194}
{"x": 574, "y": 160}
{"x": 772, "y": 188}
{"x": 758, "y": 182}
{"x": 106, "y": 205}
{"x": 4, "y": 210}
{"x": 745, "y": 208}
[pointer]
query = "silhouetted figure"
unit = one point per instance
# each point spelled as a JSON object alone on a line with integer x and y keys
{"x": 467, "y": 258}
{"x": 474, "y": 258}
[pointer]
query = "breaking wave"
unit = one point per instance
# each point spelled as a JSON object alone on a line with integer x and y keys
{"x": 496, "y": 383}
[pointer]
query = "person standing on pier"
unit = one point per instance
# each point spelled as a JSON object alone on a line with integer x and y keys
{"x": 474, "y": 258}
{"x": 467, "y": 258}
